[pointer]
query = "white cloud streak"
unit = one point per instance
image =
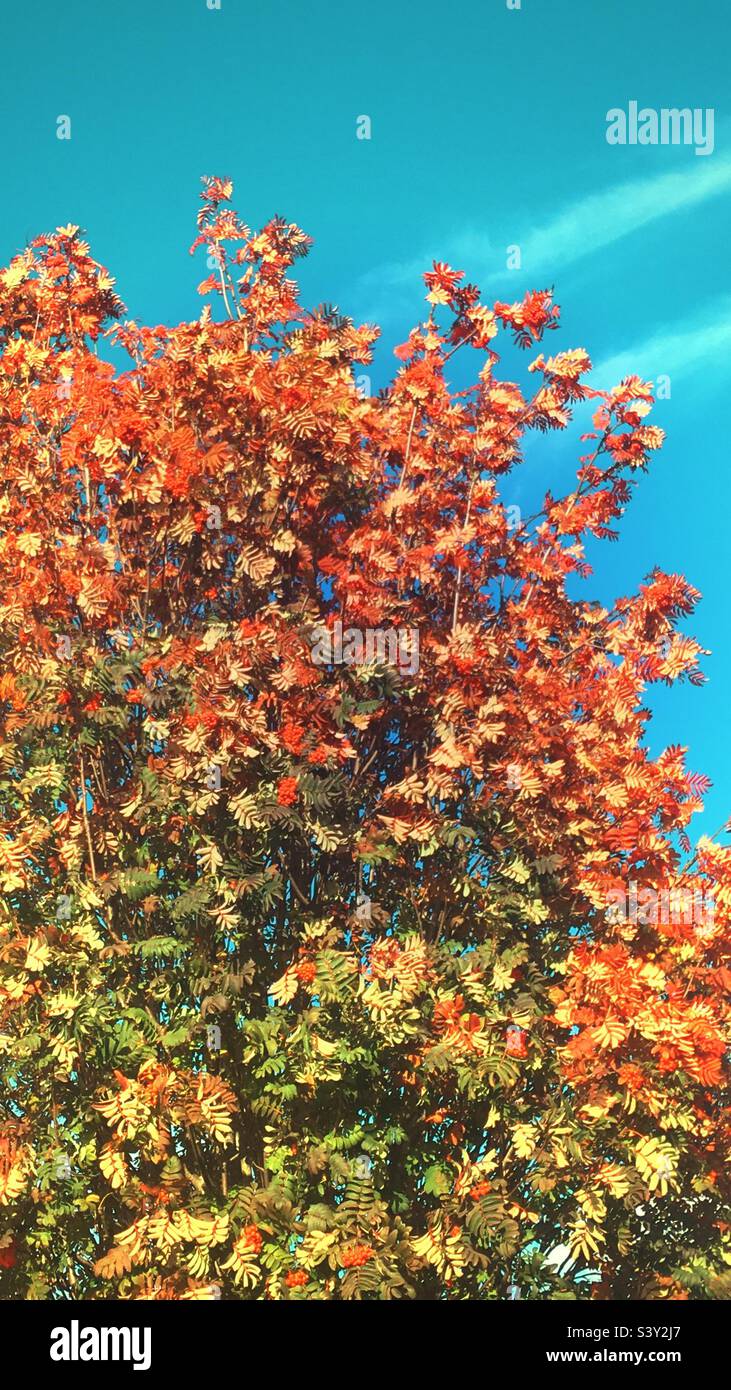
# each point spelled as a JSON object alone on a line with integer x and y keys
{"x": 675, "y": 350}
{"x": 581, "y": 229}
{"x": 603, "y": 218}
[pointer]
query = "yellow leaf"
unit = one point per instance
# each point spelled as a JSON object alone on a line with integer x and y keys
{"x": 15, "y": 274}
{"x": 285, "y": 988}
{"x": 11, "y": 1184}
{"x": 524, "y": 1140}
{"x": 502, "y": 976}
{"x": 113, "y": 1166}
{"x": 585, "y": 1240}
{"x": 117, "y": 1261}
{"x": 615, "y": 1178}
{"x": 29, "y": 543}
{"x": 209, "y": 857}
{"x": 38, "y": 955}
{"x": 14, "y": 985}
{"x": 610, "y": 1033}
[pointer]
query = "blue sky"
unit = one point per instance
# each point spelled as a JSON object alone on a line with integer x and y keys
{"x": 488, "y": 130}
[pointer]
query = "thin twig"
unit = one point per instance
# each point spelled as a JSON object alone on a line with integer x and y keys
{"x": 455, "y": 611}
{"x": 85, "y": 815}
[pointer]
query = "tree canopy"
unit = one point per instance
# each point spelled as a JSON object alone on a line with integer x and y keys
{"x": 315, "y": 978}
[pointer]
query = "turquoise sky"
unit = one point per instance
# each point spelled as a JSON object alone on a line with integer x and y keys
{"x": 488, "y": 129}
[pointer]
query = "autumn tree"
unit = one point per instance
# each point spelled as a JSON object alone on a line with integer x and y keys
{"x": 313, "y": 983}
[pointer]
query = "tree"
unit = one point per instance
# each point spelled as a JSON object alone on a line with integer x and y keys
{"x": 320, "y": 800}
